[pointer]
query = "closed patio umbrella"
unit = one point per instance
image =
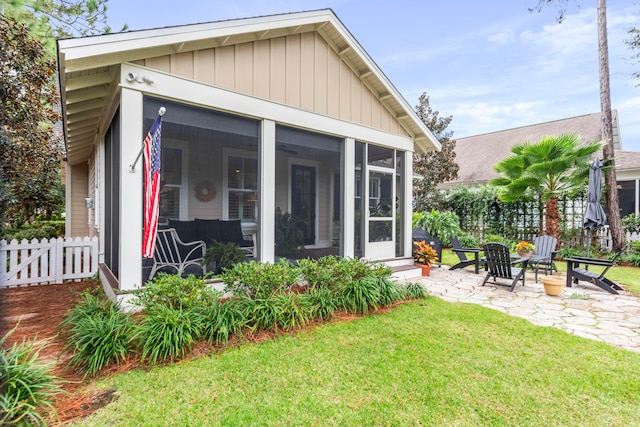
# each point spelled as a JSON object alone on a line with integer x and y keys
{"x": 594, "y": 216}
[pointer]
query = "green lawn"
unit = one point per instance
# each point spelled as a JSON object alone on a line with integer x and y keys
{"x": 424, "y": 363}
{"x": 629, "y": 277}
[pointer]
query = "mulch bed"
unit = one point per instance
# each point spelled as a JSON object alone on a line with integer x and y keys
{"x": 34, "y": 313}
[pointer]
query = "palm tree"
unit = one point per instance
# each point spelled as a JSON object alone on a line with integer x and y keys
{"x": 555, "y": 166}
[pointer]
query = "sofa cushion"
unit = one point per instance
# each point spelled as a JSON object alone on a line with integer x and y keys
{"x": 186, "y": 230}
{"x": 232, "y": 231}
{"x": 209, "y": 229}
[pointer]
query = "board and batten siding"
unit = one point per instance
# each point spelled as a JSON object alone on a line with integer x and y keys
{"x": 79, "y": 191}
{"x": 299, "y": 70}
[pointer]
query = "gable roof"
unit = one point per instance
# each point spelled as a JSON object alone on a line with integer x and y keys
{"x": 476, "y": 155}
{"x": 88, "y": 66}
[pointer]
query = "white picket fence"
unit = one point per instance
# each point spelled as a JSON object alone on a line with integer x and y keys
{"x": 605, "y": 240}
{"x": 47, "y": 261}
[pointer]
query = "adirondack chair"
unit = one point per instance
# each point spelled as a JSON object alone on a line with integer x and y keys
{"x": 500, "y": 265}
{"x": 576, "y": 273}
{"x": 174, "y": 255}
{"x": 543, "y": 254}
{"x": 462, "y": 256}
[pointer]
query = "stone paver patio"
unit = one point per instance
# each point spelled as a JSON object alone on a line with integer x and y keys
{"x": 583, "y": 309}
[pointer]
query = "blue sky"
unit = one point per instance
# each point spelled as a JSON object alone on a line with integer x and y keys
{"x": 492, "y": 65}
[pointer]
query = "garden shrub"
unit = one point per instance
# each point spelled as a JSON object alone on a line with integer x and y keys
{"x": 260, "y": 280}
{"x": 568, "y": 252}
{"x": 37, "y": 230}
{"x": 468, "y": 241}
{"x": 167, "y": 333}
{"x": 96, "y": 332}
{"x": 173, "y": 291}
{"x": 631, "y": 223}
{"x": 27, "y": 386}
{"x": 499, "y": 239}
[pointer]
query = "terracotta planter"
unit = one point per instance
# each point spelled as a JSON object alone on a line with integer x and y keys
{"x": 524, "y": 254}
{"x": 553, "y": 285}
{"x": 426, "y": 269}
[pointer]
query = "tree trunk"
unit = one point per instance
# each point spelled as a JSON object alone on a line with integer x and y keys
{"x": 553, "y": 218}
{"x": 613, "y": 210}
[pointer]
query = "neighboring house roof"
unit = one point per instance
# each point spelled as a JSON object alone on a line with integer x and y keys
{"x": 476, "y": 155}
{"x": 88, "y": 66}
{"x": 627, "y": 160}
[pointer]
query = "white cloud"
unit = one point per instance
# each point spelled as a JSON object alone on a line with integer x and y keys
{"x": 502, "y": 38}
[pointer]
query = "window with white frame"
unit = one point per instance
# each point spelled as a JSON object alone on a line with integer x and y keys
{"x": 241, "y": 188}
{"x": 171, "y": 190}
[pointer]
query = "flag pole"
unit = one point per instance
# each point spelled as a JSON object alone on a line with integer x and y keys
{"x": 132, "y": 167}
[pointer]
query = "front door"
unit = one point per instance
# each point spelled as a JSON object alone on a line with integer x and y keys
{"x": 303, "y": 199}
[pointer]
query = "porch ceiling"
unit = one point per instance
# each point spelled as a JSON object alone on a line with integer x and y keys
{"x": 89, "y": 68}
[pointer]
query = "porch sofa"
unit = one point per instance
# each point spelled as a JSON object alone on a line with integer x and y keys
{"x": 209, "y": 230}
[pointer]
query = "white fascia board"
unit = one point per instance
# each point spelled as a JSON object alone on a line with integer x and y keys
{"x": 388, "y": 85}
{"x": 185, "y": 90}
{"x": 95, "y": 46}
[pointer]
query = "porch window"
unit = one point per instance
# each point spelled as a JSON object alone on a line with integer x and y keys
{"x": 170, "y": 194}
{"x": 242, "y": 186}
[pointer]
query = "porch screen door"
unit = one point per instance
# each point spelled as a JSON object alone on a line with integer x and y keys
{"x": 381, "y": 218}
{"x": 380, "y": 186}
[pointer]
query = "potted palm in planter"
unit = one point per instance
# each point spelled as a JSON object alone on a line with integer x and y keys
{"x": 424, "y": 255}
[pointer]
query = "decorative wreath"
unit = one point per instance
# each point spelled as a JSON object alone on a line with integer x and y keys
{"x": 205, "y": 191}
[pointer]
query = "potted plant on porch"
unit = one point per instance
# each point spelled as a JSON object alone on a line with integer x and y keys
{"x": 424, "y": 255}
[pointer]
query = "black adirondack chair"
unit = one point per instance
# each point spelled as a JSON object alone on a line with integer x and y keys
{"x": 500, "y": 265}
{"x": 462, "y": 256}
{"x": 576, "y": 273}
{"x": 543, "y": 254}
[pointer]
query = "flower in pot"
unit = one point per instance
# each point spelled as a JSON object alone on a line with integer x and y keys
{"x": 524, "y": 248}
{"x": 425, "y": 255}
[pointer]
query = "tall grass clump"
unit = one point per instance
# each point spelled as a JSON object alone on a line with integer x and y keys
{"x": 173, "y": 291}
{"x": 222, "y": 319}
{"x": 323, "y": 302}
{"x": 96, "y": 332}
{"x": 359, "y": 295}
{"x": 390, "y": 291}
{"x": 281, "y": 311}
{"x": 167, "y": 333}
{"x": 414, "y": 290}
{"x": 27, "y": 386}
{"x": 260, "y": 280}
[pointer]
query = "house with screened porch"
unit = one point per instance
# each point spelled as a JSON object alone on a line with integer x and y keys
{"x": 278, "y": 113}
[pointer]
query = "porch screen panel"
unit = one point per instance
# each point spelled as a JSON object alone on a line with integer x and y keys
{"x": 359, "y": 201}
{"x": 112, "y": 196}
{"x": 400, "y": 205}
{"x": 627, "y": 197}
{"x": 209, "y": 170}
{"x": 308, "y": 166}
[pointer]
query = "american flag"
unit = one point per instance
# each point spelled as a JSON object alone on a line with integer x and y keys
{"x": 151, "y": 187}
